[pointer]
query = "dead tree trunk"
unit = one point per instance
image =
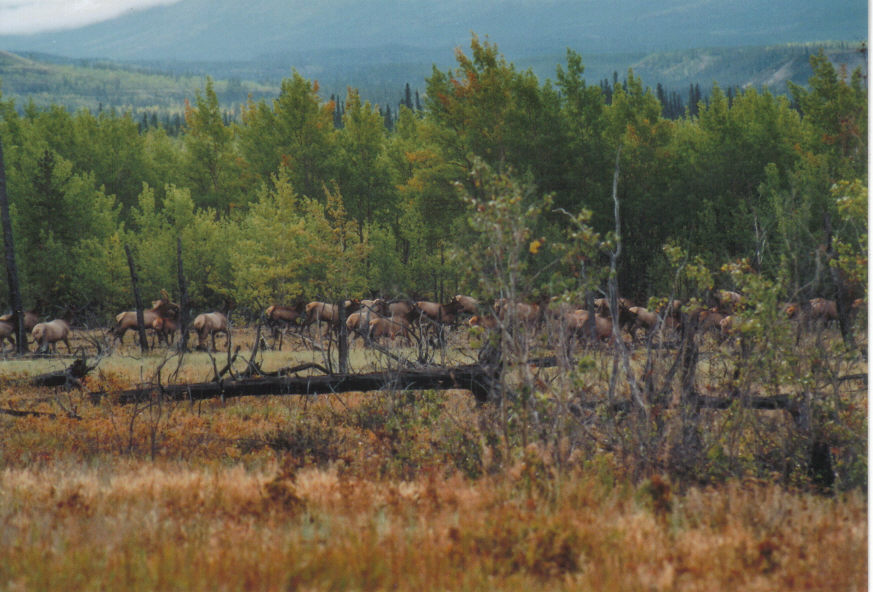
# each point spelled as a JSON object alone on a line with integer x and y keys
{"x": 342, "y": 338}
{"x": 183, "y": 300}
{"x": 140, "y": 320}
{"x": 843, "y": 298}
{"x": 11, "y": 267}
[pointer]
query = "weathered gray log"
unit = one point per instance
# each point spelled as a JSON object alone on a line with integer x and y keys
{"x": 763, "y": 403}
{"x": 472, "y": 377}
{"x": 24, "y": 413}
{"x": 69, "y": 376}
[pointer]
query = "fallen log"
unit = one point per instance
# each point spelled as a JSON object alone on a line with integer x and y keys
{"x": 24, "y": 413}
{"x": 70, "y": 376}
{"x": 787, "y": 402}
{"x": 471, "y": 377}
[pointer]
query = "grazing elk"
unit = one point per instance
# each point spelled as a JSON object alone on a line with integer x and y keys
{"x": 643, "y": 319}
{"x": 823, "y": 311}
{"x": 438, "y": 316}
{"x": 358, "y": 323}
{"x": 709, "y": 320}
{"x": 208, "y": 325}
{"x": 728, "y": 301}
{"x": 390, "y": 328}
{"x": 47, "y": 335}
{"x": 468, "y": 304}
{"x": 7, "y": 332}
{"x": 579, "y": 324}
{"x": 484, "y": 321}
{"x": 165, "y": 329}
{"x": 512, "y": 314}
{"x": 30, "y": 321}
{"x": 326, "y": 312}
{"x": 405, "y": 309}
{"x": 279, "y": 318}
{"x": 626, "y": 318}
{"x": 162, "y": 308}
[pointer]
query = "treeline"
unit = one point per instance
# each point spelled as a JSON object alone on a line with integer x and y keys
{"x": 299, "y": 197}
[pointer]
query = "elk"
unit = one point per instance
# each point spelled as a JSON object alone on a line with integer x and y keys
{"x": 209, "y": 324}
{"x": 30, "y": 321}
{"x": 318, "y": 312}
{"x": 468, "y": 304}
{"x": 48, "y": 334}
{"x": 390, "y": 328}
{"x": 358, "y": 322}
{"x": 280, "y": 317}
{"x": 162, "y": 308}
{"x": 165, "y": 329}
{"x": 7, "y": 331}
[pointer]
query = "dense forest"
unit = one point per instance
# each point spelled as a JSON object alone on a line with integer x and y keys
{"x": 301, "y": 197}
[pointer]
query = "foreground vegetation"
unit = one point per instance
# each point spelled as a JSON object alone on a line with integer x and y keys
{"x": 400, "y": 490}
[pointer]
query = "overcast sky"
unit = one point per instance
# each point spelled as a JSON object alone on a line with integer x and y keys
{"x": 33, "y": 16}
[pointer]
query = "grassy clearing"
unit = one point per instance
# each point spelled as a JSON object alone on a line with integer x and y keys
{"x": 387, "y": 491}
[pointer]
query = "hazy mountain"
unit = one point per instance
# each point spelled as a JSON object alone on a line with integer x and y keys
{"x": 76, "y": 83}
{"x": 229, "y": 30}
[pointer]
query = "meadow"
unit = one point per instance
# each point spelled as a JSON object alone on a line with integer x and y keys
{"x": 388, "y": 490}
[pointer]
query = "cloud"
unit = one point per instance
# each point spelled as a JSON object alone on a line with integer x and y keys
{"x": 22, "y": 17}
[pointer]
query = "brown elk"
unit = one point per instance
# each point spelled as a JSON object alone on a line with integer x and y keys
{"x": 279, "y": 318}
{"x": 519, "y": 311}
{"x": 439, "y": 313}
{"x": 405, "y": 309}
{"x": 165, "y": 329}
{"x": 30, "y": 321}
{"x": 485, "y": 321}
{"x": 390, "y": 328}
{"x": 208, "y": 325}
{"x": 326, "y": 312}
{"x": 7, "y": 332}
{"x": 709, "y": 320}
{"x": 468, "y": 304}
{"x": 643, "y": 319}
{"x": 728, "y": 301}
{"x": 578, "y": 323}
{"x": 48, "y": 334}
{"x": 162, "y": 308}
{"x": 822, "y": 311}
{"x": 358, "y": 323}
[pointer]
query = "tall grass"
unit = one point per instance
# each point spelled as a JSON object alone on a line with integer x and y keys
{"x": 396, "y": 490}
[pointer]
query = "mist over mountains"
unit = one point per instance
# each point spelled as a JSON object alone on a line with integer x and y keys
{"x": 398, "y": 30}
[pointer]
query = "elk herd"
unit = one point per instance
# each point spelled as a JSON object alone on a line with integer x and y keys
{"x": 380, "y": 321}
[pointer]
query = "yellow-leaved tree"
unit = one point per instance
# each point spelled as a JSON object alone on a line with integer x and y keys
{"x": 292, "y": 246}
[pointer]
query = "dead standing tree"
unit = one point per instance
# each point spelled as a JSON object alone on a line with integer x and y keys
{"x": 140, "y": 321}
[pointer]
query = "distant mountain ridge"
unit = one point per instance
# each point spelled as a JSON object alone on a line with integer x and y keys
{"x": 380, "y": 74}
{"x": 228, "y": 30}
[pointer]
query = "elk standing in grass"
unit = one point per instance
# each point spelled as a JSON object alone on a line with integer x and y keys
{"x": 208, "y": 325}
{"x": 7, "y": 331}
{"x": 161, "y": 308}
{"x": 279, "y": 318}
{"x": 48, "y": 334}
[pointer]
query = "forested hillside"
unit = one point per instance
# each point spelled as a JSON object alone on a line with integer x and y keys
{"x": 304, "y": 197}
{"x": 157, "y": 89}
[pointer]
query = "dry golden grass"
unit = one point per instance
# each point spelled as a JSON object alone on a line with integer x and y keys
{"x": 373, "y": 492}
{"x": 137, "y": 526}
